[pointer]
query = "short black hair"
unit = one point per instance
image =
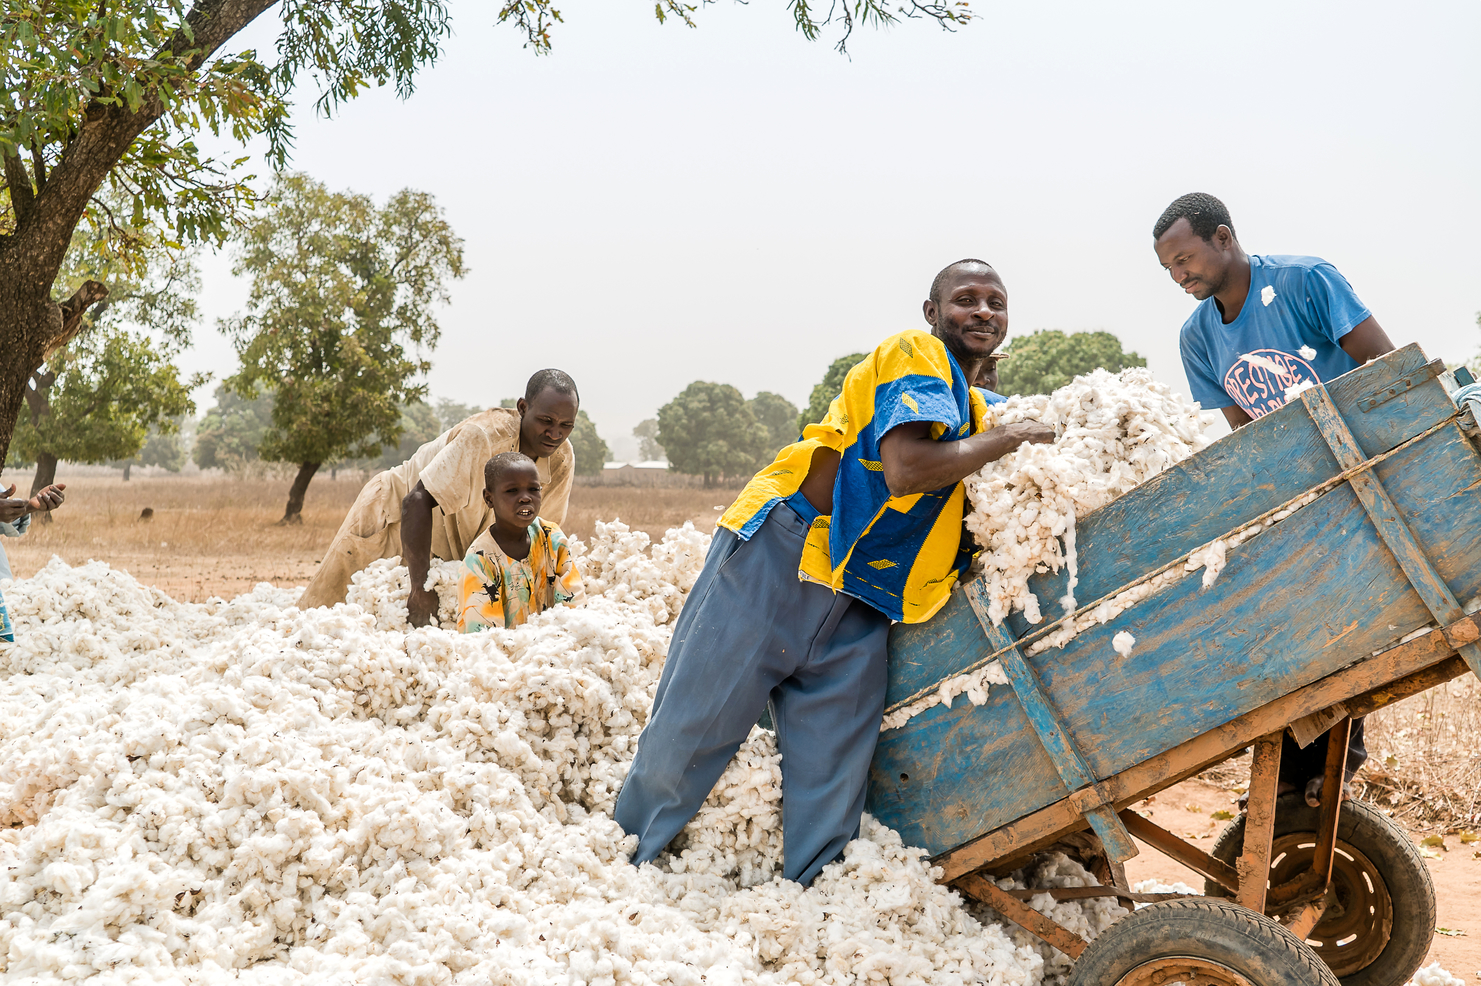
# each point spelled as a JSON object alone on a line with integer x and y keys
{"x": 499, "y": 463}
{"x": 1205, "y": 214}
{"x": 557, "y": 380}
{"x": 941, "y": 277}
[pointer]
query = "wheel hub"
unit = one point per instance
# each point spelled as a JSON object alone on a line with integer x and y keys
{"x": 1183, "y": 971}
{"x": 1358, "y": 921}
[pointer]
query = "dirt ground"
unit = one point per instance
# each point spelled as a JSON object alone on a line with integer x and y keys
{"x": 1186, "y": 810}
{"x": 217, "y": 537}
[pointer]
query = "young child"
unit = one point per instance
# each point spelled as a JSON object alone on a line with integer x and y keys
{"x": 521, "y": 565}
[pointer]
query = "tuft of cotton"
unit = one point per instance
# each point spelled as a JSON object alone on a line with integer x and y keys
{"x": 1122, "y": 643}
{"x": 1115, "y": 431}
{"x": 1295, "y": 390}
{"x": 1433, "y": 975}
{"x": 1307, "y": 352}
{"x": 240, "y": 790}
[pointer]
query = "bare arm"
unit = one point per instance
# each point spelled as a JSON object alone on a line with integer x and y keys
{"x": 1236, "y": 416}
{"x": 416, "y": 551}
{"x": 1366, "y": 341}
{"x": 916, "y": 463}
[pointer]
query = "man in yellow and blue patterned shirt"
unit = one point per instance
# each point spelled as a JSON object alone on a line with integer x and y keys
{"x": 856, "y": 524}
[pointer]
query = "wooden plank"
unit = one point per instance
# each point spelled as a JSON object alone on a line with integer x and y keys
{"x": 1399, "y": 672}
{"x": 1259, "y": 823}
{"x": 1045, "y": 722}
{"x": 1421, "y": 681}
{"x": 1202, "y": 657}
{"x": 1306, "y": 729}
{"x": 1022, "y": 915}
{"x": 1333, "y": 790}
{"x": 1176, "y": 849}
{"x": 1239, "y": 477}
{"x": 1089, "y": 893}
{"x": 1406, "y": 549}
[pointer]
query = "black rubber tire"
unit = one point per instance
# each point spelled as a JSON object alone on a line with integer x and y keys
{"x": 1247, "y": 943}
{"x": 1405, "y": 877}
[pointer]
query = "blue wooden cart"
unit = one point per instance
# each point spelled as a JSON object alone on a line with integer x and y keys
{"x": 1315, "y": 620}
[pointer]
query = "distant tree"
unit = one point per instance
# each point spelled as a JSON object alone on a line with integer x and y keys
{"x": 830, "y": 387}
{"x": 98, "y": 398}
{"x": 231, "y": 432}
{"x": 1043, "y": 361}
{"x": 161, "y": 449}
{"x": 341, "y": 291}
{"x": 419, "y": 425}
{"x": 709, "y": 430}
{"x": 450, "y": 412}
{"x": 649, "y": 450}
{"x": 591, "y": 452}
{"x": 778, "y": 416}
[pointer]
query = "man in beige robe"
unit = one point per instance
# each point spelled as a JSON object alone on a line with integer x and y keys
{"x": 432, "y": 504}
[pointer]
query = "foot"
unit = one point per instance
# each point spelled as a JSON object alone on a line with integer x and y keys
{"x": 1313, "y": 792}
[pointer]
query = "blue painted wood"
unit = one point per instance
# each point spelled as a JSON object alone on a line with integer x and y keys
{"x": 1401, "y": 542}
{"x": 1044, "y": 719}
{"x": 1299, "y": 601}
{"x": 1256, "y": 469}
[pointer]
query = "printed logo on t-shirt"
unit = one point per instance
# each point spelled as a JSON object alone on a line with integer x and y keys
{"x": 1258, "y": 381}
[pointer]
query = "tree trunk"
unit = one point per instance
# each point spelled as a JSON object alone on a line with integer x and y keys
{"x": 333, "y": 473}
{"x": 46, "y": 474}
{"x": 126, "y": 467}
{"x": 294, "y": 513}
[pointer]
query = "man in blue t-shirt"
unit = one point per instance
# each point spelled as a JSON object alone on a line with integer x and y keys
{"x": 1264, "y": 324}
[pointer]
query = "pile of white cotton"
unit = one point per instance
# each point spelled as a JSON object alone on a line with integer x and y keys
{"x": 240, "y": 791}
{"x": 1115, "y": 431}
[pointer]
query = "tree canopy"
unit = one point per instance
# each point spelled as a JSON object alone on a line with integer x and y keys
{"x": 1047, "y": 359}
{"x": 710, "y": 430}
{"x": 646, "y": 432}
{"x": 231, "y": 432}
{"x": 591, "y": 452}
{"x": 778, "y": 416}
{"x": 100, "y": 397}
{"x": 341, "y": 314}
{"x": 828, "y": 388}
{"x": 98, "y": 98}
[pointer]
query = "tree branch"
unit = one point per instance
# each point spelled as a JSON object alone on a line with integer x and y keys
{"x": 73, "y": 309}
{"x": 108, "y": 131}
{"x": 22, "y": 197}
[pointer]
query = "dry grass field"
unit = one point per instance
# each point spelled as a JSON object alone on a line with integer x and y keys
{"x": 218, "y": 536}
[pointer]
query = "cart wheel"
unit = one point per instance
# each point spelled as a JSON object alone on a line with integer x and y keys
{"x": 1380, "y": 913}
{"x": 1198, "y": 943}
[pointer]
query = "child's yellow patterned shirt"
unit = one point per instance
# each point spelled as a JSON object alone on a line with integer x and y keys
{"x": 499, "y": 591}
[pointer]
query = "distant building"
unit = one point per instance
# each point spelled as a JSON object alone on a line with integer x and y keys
{"x": 650, "y": 473}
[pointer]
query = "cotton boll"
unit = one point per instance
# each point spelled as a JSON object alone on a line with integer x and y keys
{"x": 1122, "y": 643}
{"x": 1433, "y": 975}
{"x": 243, "y": 791}
{"x": 1115, "y": 431}
{"x": 1295, "y": 390}
{"x": 1307, "y": 352}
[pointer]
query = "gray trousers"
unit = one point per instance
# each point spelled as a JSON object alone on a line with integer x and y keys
{"x": 752, "y": 633}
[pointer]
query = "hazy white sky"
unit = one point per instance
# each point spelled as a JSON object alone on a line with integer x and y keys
{"x": 651, "y": 205}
